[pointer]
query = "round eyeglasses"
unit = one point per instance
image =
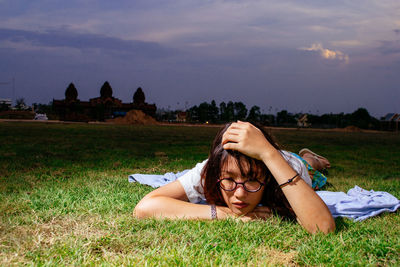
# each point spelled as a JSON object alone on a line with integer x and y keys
{"x": 228, "y": 184}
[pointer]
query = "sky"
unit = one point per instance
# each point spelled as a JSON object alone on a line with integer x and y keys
{"x": 302, "y": 56}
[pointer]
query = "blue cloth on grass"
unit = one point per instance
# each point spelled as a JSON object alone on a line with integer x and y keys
{"x": 358, "y": 204}
{"x": 155, "y": 180}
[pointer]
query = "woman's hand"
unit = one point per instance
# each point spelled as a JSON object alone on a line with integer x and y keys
{"x": 247, "y": 139}
{"x": 259, "y": 213}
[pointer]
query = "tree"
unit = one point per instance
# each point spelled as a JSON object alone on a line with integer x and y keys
{"x": 165, "y": 115}
{"x": 43, "y": 108}
{"x": 203, "y": 112}
{"x": 193, "y": 113}
{"x": 230, "y": 112}
{"x": 282, "y": 117}
{"x": 254, "y": 114}
{"x": 267, "y": 119}
{"x": 20, "y": 104}
{"x": 361, "y": 118}
{"x": 240, "y": 111}
{"x": 222, "y": 112}
{"x": 4, "y": 106}
{"x": 213, "y": 112}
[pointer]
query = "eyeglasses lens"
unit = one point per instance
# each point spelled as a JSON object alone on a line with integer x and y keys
{"x": 249, "y": 185}
{"x": 227, "y": 184}
{"x": 252, "y": 185}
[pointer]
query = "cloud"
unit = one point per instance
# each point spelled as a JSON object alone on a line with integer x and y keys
{"x": 348, "y": 43}
{"x": 397, "y": 31}
{"x": 326, "y": 53}
{"x": 390, "y": 47}
{"x": 64, "y": 38}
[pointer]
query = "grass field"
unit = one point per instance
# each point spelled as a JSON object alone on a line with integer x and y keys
{"x": 65, "y": 199}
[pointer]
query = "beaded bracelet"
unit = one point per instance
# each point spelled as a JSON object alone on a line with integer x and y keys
{"x": 213, "y": 212}
{"x": 289, "y": 181}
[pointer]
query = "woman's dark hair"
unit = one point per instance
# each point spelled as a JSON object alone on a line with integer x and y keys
{"x": 273, "y": 196}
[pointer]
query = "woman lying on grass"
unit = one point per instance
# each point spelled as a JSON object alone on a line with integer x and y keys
{"x": 245, "y": 176}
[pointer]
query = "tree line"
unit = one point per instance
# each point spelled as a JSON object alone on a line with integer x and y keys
{"x": 233, "y": 111}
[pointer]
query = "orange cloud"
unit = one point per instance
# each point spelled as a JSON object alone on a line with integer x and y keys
{"x": 326, "y": 53}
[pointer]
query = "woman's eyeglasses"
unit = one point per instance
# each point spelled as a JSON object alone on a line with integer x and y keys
{"x": 228, "y": 184}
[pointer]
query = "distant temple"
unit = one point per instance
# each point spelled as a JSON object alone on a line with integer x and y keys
{"x": 99, "y": 108}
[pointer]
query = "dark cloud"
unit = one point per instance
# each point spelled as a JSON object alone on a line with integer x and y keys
{"x": 202, "y": 50}
{"x": 390, "y": 47}
{"x": 65, "y": 38}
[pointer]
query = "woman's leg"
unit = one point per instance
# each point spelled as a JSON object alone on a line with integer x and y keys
{"x": 316, "y": 161}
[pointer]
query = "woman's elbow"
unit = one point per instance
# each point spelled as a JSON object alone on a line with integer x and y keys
{"x": 330, "y": 226}
{"x": 326, "y": 226}
{"x": 143, "y": 209}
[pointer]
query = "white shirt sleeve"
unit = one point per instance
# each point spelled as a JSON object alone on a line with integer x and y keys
{"x": 191, "y": 182}
{"x": 297, "y": 165}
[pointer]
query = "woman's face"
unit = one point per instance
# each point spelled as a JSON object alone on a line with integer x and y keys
{"x": 239, "y": 200}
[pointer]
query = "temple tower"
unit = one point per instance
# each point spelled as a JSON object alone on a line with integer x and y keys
{"x": 106, "y": 91}
{"x": 138, "y": 97}
{"x": 71, "y": 94}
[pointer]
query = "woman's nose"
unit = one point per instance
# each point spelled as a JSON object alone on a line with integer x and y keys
{"x": 240, "y": 191}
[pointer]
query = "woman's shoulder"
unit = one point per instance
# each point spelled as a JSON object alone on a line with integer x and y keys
{"x": 195, "y": 172}
{"x": 191, "y": 182}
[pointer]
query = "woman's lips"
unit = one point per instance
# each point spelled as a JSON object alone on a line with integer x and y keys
{"x": 240, "y": 205}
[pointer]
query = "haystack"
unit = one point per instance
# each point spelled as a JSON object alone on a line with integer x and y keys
{"x": 134, "y": 117}
{"x": 352, "y": 128}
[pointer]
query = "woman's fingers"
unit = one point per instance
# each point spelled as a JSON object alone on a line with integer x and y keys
{"x": 231, "y": 146}
{"x": 230, "y": 137}
{"x": 262, "y": 212}
{"x": 234, "y": 133}
{"x": 262, "y": 209}
{"x": 245, "y": 138}
{"x": 258, "y": 213}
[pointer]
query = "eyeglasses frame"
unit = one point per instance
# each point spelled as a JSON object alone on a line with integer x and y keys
{"x": 237, "y": 183}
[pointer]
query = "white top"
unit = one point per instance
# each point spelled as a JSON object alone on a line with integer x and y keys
{"x": 191, "y": 180}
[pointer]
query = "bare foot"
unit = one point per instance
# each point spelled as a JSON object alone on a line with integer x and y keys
{"x": 317, "y": 163}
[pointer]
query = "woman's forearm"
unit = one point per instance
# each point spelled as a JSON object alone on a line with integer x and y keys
{"x": 311, "y": 211}
{"x": 170, "y": 201}
{"x": 170, "y": 208}
{"x": 166, "y": 207}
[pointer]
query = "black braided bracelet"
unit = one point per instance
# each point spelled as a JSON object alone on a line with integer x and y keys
{"x": 289, "y": 181}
